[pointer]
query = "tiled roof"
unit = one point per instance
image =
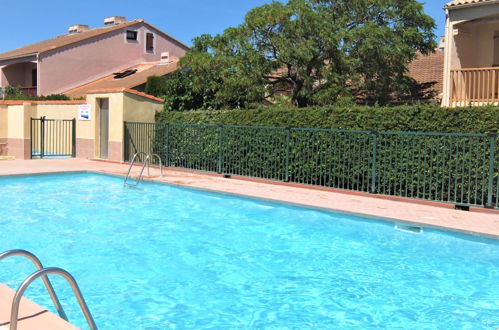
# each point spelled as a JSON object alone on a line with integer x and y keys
{"x": 68, "y": 39}
{"x": 64, "y": 40}
{"x": 128, "y": 90}
{"x": 144, "y": 70}
{"x": 456, "y": 3}
{"x": 428, "y": 69}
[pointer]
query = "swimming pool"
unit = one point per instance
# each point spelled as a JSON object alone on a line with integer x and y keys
{"x": 167, "y": 257}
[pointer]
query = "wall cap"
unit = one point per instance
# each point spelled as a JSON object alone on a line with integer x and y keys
{"x": 123, "y": 90}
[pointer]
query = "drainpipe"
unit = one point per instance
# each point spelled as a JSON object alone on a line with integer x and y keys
{"x": 37, "y": 74}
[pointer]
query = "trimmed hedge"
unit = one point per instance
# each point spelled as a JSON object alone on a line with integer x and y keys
{"x": 443, "y": 167}
{"x": 407, "y": 118}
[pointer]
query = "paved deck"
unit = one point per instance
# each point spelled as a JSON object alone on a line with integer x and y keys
{"x": 431, "y": 215}
{"x": 31, "y": 315}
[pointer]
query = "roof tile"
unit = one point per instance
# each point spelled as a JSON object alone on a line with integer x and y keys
{"x": 64, "y": 40}
{"x": 144, "y": 71}
{"x": 429, "y": 69}
{"x": 71, "y": 38}
{"x": 128, "y": 90}
{"x": 456, "y": 3}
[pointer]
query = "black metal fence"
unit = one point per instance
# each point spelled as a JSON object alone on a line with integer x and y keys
{"x": 52, "y": 138}
{"x": 454, "y": 168}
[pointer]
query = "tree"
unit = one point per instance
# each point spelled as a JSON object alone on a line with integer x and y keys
{"x": 176, "y": 89}
{"x": 321, "y": 50}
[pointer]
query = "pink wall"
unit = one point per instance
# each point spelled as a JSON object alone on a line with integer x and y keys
{"x": 75, "y": 65}
{"x": 17, "y": 74}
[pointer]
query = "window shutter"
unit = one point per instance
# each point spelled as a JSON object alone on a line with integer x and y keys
{"x": 149, "y": 42}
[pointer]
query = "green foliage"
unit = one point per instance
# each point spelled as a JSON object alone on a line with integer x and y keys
{"x": 58, "y": 97}
{"x": 155, "y": 86}
{"x": 15, "y": 93}
{"x": 178, "y": 92}
{"x": 413, "y": 118}
{"x": 226, "y": 70}
{"x": 320, "y": 51}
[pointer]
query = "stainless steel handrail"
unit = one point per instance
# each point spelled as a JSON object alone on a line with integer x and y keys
{"x": 46, "y": 281}
{"x": 144, "y": 164}
{"x": 43, "y": 273}
{"x": 160, "y": 164}
{"x": 137, "y": 154}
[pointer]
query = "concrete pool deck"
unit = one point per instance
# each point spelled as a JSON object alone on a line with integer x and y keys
{"x": 479, "y": 222}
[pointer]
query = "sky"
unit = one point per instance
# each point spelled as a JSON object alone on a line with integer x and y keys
{"x": 29, "y": 21}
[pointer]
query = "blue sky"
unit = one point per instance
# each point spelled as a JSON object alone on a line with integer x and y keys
{"x": 29, "y": 21}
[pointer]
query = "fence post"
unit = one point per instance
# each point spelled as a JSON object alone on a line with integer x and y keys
{"x": 167, "y": 144}
{"x": 288, "y": 138}
{"x": 492, "y": 138}
{"x": 31, "y": 137}
{"x": 220, "y": 149}
{"x": 73, "y": 137}
{"x": 125, "y": 142}
{"x": 373, "y": 160}
{"x": 42, "y": 136}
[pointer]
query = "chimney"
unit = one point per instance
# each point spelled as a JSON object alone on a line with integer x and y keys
{"x": 441, "y": 44}
{"x": 78, "y": 28}
{"x": 114, "y": 20}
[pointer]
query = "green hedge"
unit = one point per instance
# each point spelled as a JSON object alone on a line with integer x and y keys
{"x": 407, "y": 118}
{"x": 442, "y": 167}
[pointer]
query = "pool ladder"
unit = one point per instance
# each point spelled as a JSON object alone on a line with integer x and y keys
{"x": 145, "y": 163}
{"x": 43, "y": 272}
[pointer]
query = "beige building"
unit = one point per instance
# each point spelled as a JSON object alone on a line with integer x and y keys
{"x": 98, "y": 123}
{"x": 471, "y": 64}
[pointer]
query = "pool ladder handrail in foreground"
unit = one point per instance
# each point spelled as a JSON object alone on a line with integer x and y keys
{"x": 145, "y": 163}
{"x": 43, "y": 272}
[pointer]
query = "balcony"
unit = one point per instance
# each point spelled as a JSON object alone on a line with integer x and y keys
{"x": 31, "y": 90}
{"x": 475, "y": 86}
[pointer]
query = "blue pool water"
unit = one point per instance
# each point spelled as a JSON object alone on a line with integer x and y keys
{"x": 162, "y": 257}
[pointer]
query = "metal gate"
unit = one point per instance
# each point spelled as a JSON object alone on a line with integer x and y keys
{"x": 53, "y": 138}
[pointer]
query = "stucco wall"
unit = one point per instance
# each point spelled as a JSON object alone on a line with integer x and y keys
{"x": 473, "y": 47}
{"x": 15, "y": 121}
{"x": 75, "y": 65}
{"x": 3, "y": 121}
{"x": 18, "y": 74}
{"x": 469, "y": 39}
{"x": 5, "y": 63}
{"x": 57, "y": 111}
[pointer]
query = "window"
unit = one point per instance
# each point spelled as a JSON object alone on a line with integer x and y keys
{"x": 149, "y": 42}
{"x": 131, "y": 35}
